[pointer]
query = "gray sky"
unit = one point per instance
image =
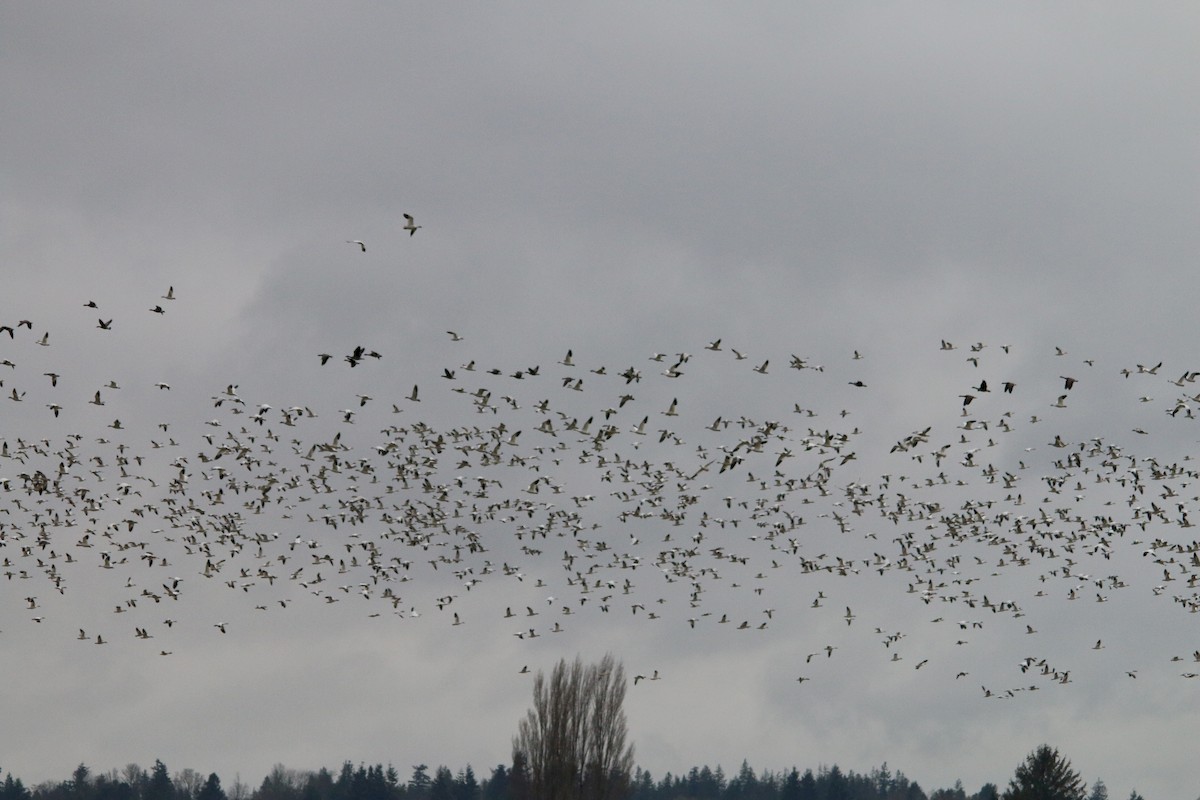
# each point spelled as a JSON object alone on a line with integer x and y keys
{"x": 792, "y": 179}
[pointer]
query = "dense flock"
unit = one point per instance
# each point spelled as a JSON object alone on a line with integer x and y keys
{"x": 713, "y": 489}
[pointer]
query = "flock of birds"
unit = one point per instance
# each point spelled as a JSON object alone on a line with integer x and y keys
{"x": 567, "y": 493}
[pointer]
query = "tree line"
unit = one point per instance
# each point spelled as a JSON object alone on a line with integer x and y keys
{"x": 572, "y": 745}
{"x": 511, "y": 782}
{"x": 503, "y": 782}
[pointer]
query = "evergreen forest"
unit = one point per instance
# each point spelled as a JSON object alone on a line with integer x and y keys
{"x": 379, "y": 782}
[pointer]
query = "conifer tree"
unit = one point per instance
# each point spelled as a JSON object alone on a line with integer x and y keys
{"x": 1045, "y": 775}
{"x": 211, "y": 790}
{"x": 159, "y": 786}
{"x": 442, "y": 787}
{"x": 466, "y": 787}
{"x": 988, "y": 791}
{"x": 418, "y": 784}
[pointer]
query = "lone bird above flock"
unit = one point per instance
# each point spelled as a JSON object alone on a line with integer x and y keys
{"x": 410, "y": 225}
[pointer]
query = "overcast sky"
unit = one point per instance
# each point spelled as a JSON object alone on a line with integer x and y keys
{"x": 794, "y": 179}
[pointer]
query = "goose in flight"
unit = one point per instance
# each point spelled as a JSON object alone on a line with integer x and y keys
{"x": 410, "y": 225}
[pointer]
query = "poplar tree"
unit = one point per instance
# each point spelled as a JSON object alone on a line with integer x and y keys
{"x": 572, "y": 743}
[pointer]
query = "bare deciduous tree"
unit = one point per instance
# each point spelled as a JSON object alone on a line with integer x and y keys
{"x": 188, "y": 784}
{"x": 572, "y": 743}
